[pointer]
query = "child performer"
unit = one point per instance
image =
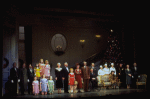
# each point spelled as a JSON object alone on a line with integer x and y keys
{"x": 43, "y": 85}
{"x": 35, "y": 85}
{"x": 71, "y": 78}
{"x": 41, "y": 65}
{"x": 47, "y": 69}
{"x": 50, "y": 85}
{"x": 37, "y": 71}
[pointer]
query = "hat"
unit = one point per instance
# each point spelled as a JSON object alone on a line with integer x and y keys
{"x": 105, "y": 64}
{"x": 101, "y": 66}
{"x": 112, "y": 63}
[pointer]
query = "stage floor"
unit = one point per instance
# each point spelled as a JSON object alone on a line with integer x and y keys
{"x": 103, "y": 92}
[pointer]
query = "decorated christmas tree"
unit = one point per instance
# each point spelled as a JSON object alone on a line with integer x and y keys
{"x": 113, "y": 51}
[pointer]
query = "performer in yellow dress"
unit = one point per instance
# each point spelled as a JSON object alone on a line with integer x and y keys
{"x": 37, "y": 71}
{"x": 42, "y": 66}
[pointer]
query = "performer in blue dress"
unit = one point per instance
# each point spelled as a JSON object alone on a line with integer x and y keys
{"x": 128, "y": 73}
{"x": 43, "y": 85}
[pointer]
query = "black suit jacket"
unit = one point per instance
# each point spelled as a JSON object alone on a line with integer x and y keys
{"x": 65, "y": 73}
{"x": 13, "y": 74}
{"x": 135, "y": 72}
{"x": 95, "y": 70}
{"x": 30, "y": 74}
{"x": 94, "y": 75}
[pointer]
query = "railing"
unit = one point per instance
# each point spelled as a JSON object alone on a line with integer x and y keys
{"x": 94, "y": 58}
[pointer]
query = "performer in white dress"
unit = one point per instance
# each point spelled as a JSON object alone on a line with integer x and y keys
{"x": 100, "y": 71}
{"x": 112, "y": 68}
{"x": 106, "y": 69}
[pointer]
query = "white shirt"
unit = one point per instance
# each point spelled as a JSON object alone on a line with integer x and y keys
{"x": 100, "y": 72}
{"x": 135, "y": 68}
{"x": 67, "y": 69}
{"x": 113, "y": 69}
{"x": 15, "y": 69}
{"x": 106, "y": 70}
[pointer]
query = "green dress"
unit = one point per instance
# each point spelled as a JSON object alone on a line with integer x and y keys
{"x": 50, "y": 84}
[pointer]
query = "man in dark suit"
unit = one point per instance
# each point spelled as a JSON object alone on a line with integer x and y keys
{"x": 93, "y": 80}
{"x": 65, "y": 71}
{"x": 23, "y": 79}
{"x": 85, "y": 71}
{"x": 121, "y": 75}
{"x": 14, "y": 78}
{"x": 30, "y": 73}
{"x": 135, "y": 74}
{"x": 95, "y": 70}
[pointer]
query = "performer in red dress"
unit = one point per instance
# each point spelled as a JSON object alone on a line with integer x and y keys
{"x": 71, "y": 79}
{"x": 78, "y": 77}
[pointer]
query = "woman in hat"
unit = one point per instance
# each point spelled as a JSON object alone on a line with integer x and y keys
{"x": 100, "y": 73}
{"x": 112, "y": 68}
{"x": 106, "y": 70}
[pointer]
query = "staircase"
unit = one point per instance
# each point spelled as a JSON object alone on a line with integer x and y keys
{"x": 96, "y": 58}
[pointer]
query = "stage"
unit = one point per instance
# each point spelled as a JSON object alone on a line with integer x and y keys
{"x": 103, "y": 92}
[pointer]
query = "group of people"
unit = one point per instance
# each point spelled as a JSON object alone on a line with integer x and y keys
{"x": 39, "y": 78}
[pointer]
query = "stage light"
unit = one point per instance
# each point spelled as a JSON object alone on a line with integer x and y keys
{"x": 111, "y": 30}
{"x": 82, "y": 41}
{"x": 98, "y": 36}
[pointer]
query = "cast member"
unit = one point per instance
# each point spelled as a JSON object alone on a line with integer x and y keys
{"x": 50, "y": 85}
{"x": 95, "y": 70}
{"x": 100, "y": 71}
{"x": 71, "y": 79}
{"x": 78, "y": 77}
{"x": 106, "y": 70}
{"x": 43, "y": 85}
{"x": 113, "y": 79}
{"x": 112, "y": 68}
{"x": 93, "y": 80}
{"x": 30, "y": 77}
{"x": 47, "y": 69}
{"x": 121, "y": 75}
{"x": 42, "y": 66}
{"x": 85, "y": 71}
{"x": 37, "y": 71}
{"x": 128, "y": 73}
{"x": 58, "y": 77}
{"x": 35, "y": 86}
{"x": 23, "y": 79}
{"x": 14, "y": 78}
{"x": 135, "y": 74}
{"x": 65, "y": 71}
{"x": 100, "y": 74}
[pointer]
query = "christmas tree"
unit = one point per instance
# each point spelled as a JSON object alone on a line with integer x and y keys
{"x": 113, "y": 52}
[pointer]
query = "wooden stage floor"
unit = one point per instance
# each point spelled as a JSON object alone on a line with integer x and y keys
{"x": 103, "y": 92}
